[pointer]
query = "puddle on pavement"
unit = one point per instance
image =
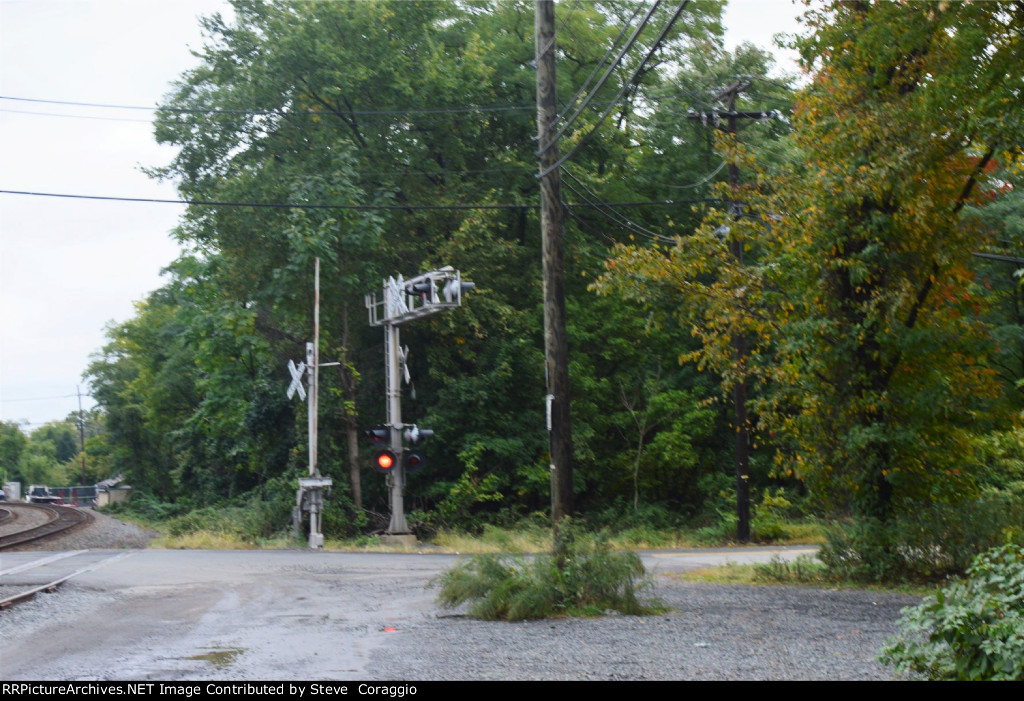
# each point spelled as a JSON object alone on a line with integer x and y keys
{"x": 219, "y": 657}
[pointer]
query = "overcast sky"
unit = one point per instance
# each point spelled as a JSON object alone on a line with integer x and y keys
{"x": 69, "y": 267}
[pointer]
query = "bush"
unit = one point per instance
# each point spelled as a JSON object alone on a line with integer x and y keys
{"x": 771, "y": 516}
{"x": 926, "y": 542}
{"x": 593, "y": 579}
{"x": 972, "y": 629}
{"x": 255, "y": 520}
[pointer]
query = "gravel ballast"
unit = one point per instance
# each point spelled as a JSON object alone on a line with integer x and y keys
{"x": 103, "y": 533}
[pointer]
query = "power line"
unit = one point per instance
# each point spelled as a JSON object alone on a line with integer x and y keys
{"x": 583, "y": 225}
{"x": 78, "y": 116}
{"x": 568, "y": 122}
{"x": 468, "y": 109}
{"x": 270, "y": 205}
{"x": 358, "y": 207}
{"x": 697, "y": 184}
{"x": 282, "y": 112}
{"x": 611, "y": 49}
{"x": 593, "y": 199}
{"x": 36, "y": 399}
{"x": 634, "y": 79}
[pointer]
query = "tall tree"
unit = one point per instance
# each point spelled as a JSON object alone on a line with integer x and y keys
{"x": 421, "y": 112}
{"x": 869, "y": 350}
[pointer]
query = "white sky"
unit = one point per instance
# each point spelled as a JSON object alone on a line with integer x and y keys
{"x": 70, "y": 267}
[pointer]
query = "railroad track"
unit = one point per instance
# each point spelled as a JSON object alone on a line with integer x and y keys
{"x": 53, "y": 570}
{"x": 58, "y": 519}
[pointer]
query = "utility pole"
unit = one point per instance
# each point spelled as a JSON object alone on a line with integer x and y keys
{"x": 556, "y": 346}
{"x": 81, "y": 429}
{"x": 739, "y": 341}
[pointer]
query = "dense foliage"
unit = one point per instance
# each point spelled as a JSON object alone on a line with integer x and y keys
{"x": 971, "y": 630}
{"x": 874, "y": 362}
{"x": 394, "y": 137}
{"x": 402, "y": 107}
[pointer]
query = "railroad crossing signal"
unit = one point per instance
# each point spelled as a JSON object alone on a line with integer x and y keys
{"x": 399, "y": 300}
{"x": 296, "y": 385}
{"x": 413, "y": 461}
{"x": 394, "y": 303}
{"x": 414, "y": 434}
{"x": 385, "y": 462}
{"x": 378, "y": 434}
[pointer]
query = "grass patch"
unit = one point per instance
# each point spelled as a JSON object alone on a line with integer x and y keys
{"x": 729, "y": 573}
{"x": 219, "y": 540}
{"x": 495, "y": 540}
{"x": 594, "y": 579}
{"x": 805, "y": 570}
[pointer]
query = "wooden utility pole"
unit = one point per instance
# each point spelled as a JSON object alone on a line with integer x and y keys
{"x": 556, "y": 346}
{"x": 739, "y": 341}
{"x": 81, "y": 430}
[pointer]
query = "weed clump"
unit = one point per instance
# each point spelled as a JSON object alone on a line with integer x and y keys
{"x": 592, "y": 579}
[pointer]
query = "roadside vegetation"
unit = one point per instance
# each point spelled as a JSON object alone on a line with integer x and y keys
{"x": 252, "y": 521}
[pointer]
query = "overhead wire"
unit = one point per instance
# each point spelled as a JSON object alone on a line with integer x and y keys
{"x": 607, "y": 54}
{"x": 586, "y": 227}
{"x": 38, "y": 399}
{"x": 358, "y": 207}
{"x": 634, "y": 78}
{"x": 595, "y": 201}
{"x": 568, "y": 122}
{"x": 78, "y": 116}
{"x": 441, "y": 114}
{"x": 700, "y": 182}
{"x": 468, "y": 109}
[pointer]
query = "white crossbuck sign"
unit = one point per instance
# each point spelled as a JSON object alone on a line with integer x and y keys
{"x": 296, "y": 385}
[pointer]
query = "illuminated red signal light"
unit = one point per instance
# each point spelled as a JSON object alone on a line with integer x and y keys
{"x": 385, "y": 461}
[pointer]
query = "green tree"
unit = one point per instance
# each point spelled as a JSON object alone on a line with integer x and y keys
{"x": 12, "y": 445}
{"x": 399, "y": 105}
{"x": 404, "y": 107}
{"x": 872, "y": 361}
{"x": 62, "y": 435}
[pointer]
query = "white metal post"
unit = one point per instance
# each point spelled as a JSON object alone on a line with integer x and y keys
{"x": 398, "y": 525}
{"x": 397, "y": 302}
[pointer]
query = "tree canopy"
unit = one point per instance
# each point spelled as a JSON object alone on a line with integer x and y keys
{"x": 395, "y": 137}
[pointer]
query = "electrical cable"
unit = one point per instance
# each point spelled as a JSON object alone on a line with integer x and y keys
{"x": 700, "y": 182}
{"x": 583, "y": 225}
{"x": 604, "y": 59}
{"x": 595, "y": 201}
{"x": 78, "y": 116}
{"x": 359, "y": 207}
{"x": 548, "y": 141}
{"x": 634, "y": 78}
{"x": 38, "y": 399}
{"x": 469, "y": 109}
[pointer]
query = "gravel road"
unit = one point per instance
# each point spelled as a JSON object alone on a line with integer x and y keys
{"x": 256, "y": 605}
{"x": 713, "y": 633}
